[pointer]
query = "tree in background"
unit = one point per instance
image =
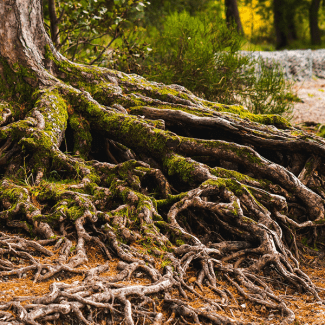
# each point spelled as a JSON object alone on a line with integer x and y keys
{"x": 284, "y": 22}
{"x": 232, "y": 15}
{"x": 315, "y": 33}
{"x": 295, "y": 23}
{"x": 54, "y": 23}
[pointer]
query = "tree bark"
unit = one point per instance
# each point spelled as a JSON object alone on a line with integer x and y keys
{"x": 23, "y": 37}
{"x": 115, "y": 191}
{"x": 232, "y": 15}
{"x": 315, "y": 35}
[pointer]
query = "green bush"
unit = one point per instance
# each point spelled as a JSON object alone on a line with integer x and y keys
{"x": 89, "y": 28}
{"x": 131, "y": 50}
{"x": 201, "y": 53}
{"x": 270, "y": 93}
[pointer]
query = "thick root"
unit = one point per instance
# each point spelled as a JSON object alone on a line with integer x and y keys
{"x": 162, "y": 185}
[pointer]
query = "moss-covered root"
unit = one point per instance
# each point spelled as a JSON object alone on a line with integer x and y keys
{"x": 258, "y": 165}
{"x": 159, "y": 185}
{"x": 255, "y": 228}
{"x": 142, "y": 137}
{"x": 17, "y": 201}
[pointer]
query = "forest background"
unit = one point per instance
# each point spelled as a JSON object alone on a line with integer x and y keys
{"x": 191, "y": 43}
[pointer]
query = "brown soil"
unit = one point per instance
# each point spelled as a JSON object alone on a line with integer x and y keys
{"x": 307, "y": 311}
{"x": 312, "y": 109}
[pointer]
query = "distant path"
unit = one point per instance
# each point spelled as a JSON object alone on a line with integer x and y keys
{"x": 297, "y": 64}
{"x": 307, "y": 69}
{"x": 312, "y": 92}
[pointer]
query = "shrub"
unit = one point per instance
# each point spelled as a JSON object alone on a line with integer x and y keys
{"x": 201, "y": 54}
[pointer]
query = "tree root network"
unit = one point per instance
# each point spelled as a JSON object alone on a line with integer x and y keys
{"x": 182, "y": 200}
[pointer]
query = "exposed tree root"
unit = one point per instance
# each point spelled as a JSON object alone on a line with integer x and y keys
{"x": 164, "y": 182}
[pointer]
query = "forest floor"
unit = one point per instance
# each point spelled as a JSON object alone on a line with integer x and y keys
{"x": 306, "y": 309}
{"x": 312, "y": 107}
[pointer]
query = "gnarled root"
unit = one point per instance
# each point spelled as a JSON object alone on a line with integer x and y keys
{"x": 139, "y": 198}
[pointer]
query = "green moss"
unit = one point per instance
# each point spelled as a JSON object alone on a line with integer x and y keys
{"x": 134, "y": 133}
{"x": 180, "y": 242}
{"x": 176, "y": 165}
{"x": 226, "y": 173}
{"x": 231, "y": 184}
{"x": 123, "y": 172}
{"x": 248, "y": 220}
{"x": 238, "y": 110}
{"x": 321, "y": 131}
{"x": 16, "y": 195}
{"x": 240, "y": 151}
{"x": 171, "y": 199}
{"x": 15, "y": 84}
{"x": 65, "y": 205}
{"x": 54, "y": 109}
{"x": 165, "y": 263}
{"x": 262, "y": 183}
{"x": 126, "y": 195}
{"x": 244, "y": 152}
{"x": 81, "y": 135}
{"x": 105, "y": 93}
{"x": 151, "y": 89}
{"x": 138, "y": 110}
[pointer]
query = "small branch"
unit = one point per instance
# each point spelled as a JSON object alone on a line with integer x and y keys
{"x": 54, "y": 23}
{"x": 103, "y": 51}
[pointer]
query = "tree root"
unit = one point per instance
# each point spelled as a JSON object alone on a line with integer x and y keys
{"x": 161, "y": 184}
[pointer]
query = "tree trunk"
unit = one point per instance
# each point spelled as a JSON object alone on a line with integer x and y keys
{"x": 280, "y": 24}
{"x": 23, "y": 37}
{"x": 232, "y": 15}
{"x": 124, "y": 190}
{"x": 315, "y": 35}
{"x": 291, "y": 26}
{"x": 284, "y": 22}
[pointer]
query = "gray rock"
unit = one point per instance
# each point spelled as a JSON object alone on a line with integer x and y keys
{"x": 296, "y": 64}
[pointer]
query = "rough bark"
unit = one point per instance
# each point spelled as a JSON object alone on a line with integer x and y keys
{"x": 159, "y": 182}
{"x": 232, "y": 15}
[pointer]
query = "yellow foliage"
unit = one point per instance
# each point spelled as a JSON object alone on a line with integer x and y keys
{"x": 254, "y": 22}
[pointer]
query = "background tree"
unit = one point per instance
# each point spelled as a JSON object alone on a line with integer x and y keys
{"x": 157, "y": 183}
{"x": 284, "y": 22}
{"x": 232, "y": 15}
{"x": 54, "y": 23}
{"x": 315, "y": 33}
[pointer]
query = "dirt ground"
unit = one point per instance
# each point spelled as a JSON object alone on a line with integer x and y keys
{"x": 312, "y": 109}
{"x": 306, "y": 309}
